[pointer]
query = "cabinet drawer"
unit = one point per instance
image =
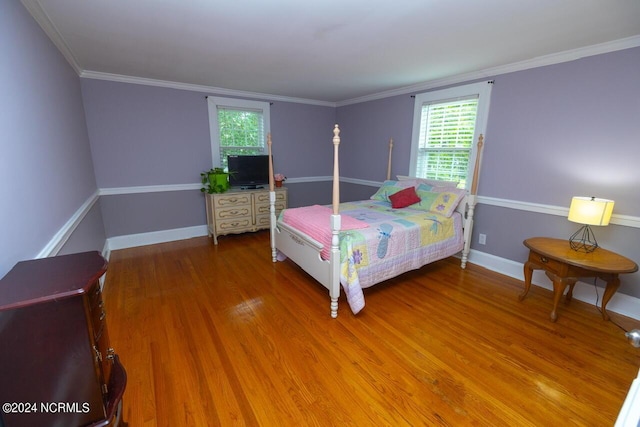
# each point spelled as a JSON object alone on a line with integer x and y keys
{"x": 232, "y": 200}
{"x": 263, "y": 221}
{"x": 234, "y": 224}
{"x": 233, "y": 212}
{"x": 97, "y": 313}
{"x": 549, "y": 264}
{"x": 264, "y": 197}
{"x": 264, "y": 209}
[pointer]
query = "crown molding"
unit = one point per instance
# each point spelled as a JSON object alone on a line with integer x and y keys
{"x": 41, "y": 17}
{"x": 555, "y": 58}
{"x": 200, "y": 88}
{"x": 540, "y": 61}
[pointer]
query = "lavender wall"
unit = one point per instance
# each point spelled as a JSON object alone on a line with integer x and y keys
{"x": 152, "y": 136}
{"x": 553, "y": 132}
{"x": 366, "y": 129}
{"x": 302, "y": 139}
{"x": 145, "y": 135}
{"x": 561, "y": 131}
{"x": 564, "y": 130}
{"x": 46, "y": 172}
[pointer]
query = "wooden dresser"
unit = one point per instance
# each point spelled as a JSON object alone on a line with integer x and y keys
{"x": 240, "y": 211}
{"x": 57, "y": 367}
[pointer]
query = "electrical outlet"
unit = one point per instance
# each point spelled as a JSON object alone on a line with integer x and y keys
{"x": 482, "y": 239}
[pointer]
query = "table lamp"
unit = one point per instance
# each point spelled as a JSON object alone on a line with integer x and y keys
{"x": 588, "y": 211}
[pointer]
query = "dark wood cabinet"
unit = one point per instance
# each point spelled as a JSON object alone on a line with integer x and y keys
{"x": 56, "y": 364}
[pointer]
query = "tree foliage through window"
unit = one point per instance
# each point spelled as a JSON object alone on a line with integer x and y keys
{"x": 241, "y": 133}
{"x": 237, "y": 127}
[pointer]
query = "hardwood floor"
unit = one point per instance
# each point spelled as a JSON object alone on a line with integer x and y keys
{"x": 220, "y": 336}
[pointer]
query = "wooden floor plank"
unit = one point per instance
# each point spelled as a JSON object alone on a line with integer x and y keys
{"x": 220, "y": 335}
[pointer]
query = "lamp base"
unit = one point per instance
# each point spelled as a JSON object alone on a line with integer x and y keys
{"x": 583, "y": 240}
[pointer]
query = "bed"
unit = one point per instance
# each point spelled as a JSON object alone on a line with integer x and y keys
{"x": 408, "y": 222}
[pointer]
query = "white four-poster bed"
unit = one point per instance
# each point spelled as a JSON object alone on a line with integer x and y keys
{"x": 318, "y": 252}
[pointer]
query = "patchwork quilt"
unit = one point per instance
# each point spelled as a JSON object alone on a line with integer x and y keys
{"x": 379, "y": 242}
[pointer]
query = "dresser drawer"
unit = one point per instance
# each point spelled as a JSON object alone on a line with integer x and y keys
{"x": 264, "y": 197}
{"x": 263, "y": 221}
{"x": 97, "y": 313}
{"x": 234, "y": 225}
{"x": 264, "y": 209}
{"x": 235, "y": 199}
{"x": 233, "y": 212}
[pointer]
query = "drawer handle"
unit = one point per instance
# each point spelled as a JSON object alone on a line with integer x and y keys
{"x": 103, "y": 315}
{"x": 98, "y": 354}
{"x": 111, "y": 354}
{"x": 544, "y": 259}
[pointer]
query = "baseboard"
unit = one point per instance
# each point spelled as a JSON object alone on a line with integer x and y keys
{"x": 620, "y": 303}
{"x": 154, "y": 237}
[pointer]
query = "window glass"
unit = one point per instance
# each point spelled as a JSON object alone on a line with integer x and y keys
{"x": 447, "y": 124}
{"x": 238, "y": 127}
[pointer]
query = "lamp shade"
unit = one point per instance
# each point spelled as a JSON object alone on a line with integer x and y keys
{"x": 590, "y": 211}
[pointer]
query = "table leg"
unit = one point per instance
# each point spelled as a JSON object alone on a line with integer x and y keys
{"x": 612, "y": 286}
{"x": 528, "y": 273}
{"x": 559, "y": 285}
{"x": 570, "y": 293}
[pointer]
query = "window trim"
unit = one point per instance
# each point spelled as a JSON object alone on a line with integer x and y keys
{"x": 213, "y": 102}
{"x": 481, "y": 89}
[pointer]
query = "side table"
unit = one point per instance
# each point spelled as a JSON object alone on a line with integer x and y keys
{"x": 564, "y": 267}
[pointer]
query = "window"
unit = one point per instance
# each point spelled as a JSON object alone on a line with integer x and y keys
{"x": 446, "y": 127}
{"x": 237, "y": 126}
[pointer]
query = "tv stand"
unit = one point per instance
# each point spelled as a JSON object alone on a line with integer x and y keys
{"x": 241, "y": 210}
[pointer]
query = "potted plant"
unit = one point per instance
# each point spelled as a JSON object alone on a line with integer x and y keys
{"x": 279, "y": 179}
{"x": 215, "y": 180}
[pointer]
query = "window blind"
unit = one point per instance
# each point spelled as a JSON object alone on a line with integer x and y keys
{"x": 446, "y": 140}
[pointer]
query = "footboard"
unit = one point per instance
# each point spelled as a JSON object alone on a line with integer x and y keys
{"x": 305, "y": 252}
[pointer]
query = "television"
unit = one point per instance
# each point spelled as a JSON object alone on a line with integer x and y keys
{"x": 248, "y": 171}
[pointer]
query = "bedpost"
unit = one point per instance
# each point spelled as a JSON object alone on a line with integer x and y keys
{"x": 334, "y": 291}
{"x": 471, "y": 203}
{"x": 389, "y": 165}
{"x": 336, "y": 172}
{"x": 272, "y": 202}
{"x": 476, "y": 169}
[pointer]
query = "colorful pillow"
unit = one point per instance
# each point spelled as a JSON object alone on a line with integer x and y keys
{"x": 427, "y": 197}
{"x": 404, "y": 198}
{"x": 447, "y": 200}
{"x": 440, "y": 200}
{"x": 390, "y": 187}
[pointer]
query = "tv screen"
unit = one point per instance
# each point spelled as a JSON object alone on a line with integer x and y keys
{"x": 248, "y": 171}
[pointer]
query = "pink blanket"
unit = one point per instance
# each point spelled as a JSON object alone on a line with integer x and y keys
{"x": 315, "y": 221}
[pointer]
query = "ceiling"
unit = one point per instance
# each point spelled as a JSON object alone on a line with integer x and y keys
{"x": 327, "y": 50}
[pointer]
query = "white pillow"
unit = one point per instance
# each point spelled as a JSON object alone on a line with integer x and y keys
{"x": 431, "y": 182}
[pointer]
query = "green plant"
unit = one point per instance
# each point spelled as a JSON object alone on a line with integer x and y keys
{"x": 215, "y": 180}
